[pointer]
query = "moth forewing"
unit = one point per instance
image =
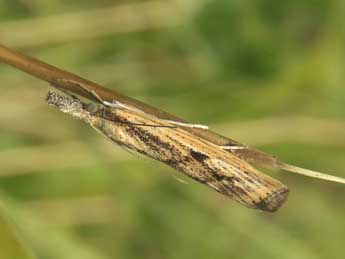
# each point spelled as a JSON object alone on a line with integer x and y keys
{"x": 201, "y": 160}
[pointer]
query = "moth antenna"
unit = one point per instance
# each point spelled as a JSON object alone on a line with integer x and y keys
{"x": 310, "y": 173}
{"x": 233, "y": 147}
{"x": 186, "y": 124}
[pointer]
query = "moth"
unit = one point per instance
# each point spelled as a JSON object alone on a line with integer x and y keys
{"x": 169, "y": 142}
{"x": 163, "y": 141}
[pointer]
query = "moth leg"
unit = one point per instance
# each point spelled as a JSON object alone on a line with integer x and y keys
{"x": 113, "y": 104}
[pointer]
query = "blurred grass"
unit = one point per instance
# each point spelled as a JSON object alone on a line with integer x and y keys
{"x": 266, "y": 73}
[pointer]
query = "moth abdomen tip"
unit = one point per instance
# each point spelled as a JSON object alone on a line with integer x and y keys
{"x": 273, "y": 201}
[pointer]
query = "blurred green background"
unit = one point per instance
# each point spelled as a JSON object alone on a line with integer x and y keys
{"x": 267, "y": 73}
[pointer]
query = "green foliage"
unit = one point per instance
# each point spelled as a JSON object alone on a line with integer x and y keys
{"x": 11, "y": 240}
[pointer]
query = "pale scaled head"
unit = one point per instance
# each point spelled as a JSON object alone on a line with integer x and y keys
{"x": 66, "y": 104}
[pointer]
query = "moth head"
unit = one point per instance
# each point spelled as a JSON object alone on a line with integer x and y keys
{"x": 66, "y": 104}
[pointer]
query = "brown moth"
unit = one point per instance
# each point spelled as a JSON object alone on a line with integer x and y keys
{"x": 165, "y": 141}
